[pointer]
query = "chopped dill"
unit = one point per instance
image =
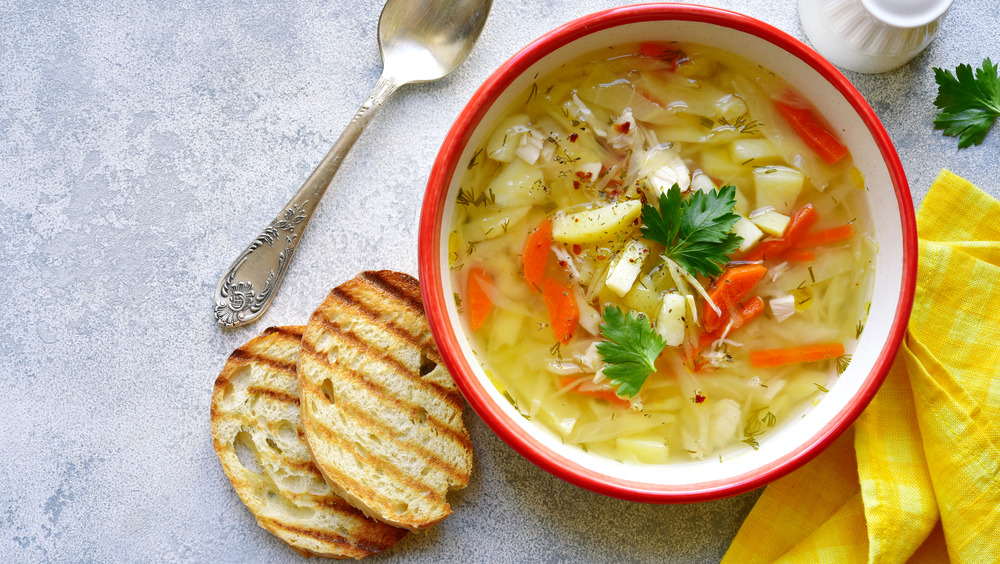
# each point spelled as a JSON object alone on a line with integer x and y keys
{"x": 555, "y": 351}
{"x": 533, "y": 93}
{"x": 858, "y": 330}
{"x": 752, "y": 441}
{"x": 488, "y": 197}
{"x": 458, "y": 302}
{"x": 509, "y": 399}
{"x": 820, "y": 388}
{"x": 842, "y": 363}
{"x": 475, "y": 159}
{"x": 471, "y": 248}
{"x": 468, "y": 198}
{"x": 748, "y": 161}
{"x": 707, "y": 122}
{"x": 769, "y": 419}
{"x": 464, "y": 198}
{"x": 505, "y": 224}
{"x": 812, "y": 276}
{"x": 746, "y": 127}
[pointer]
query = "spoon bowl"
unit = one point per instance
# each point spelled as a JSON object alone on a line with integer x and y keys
{"x": 420, "y": 41}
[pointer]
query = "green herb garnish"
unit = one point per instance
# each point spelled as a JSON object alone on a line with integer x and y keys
{"x": 969, "y": 103}
{"x": 842, "y": 363}
{"x": 696, "y": 232}
{"x": 630, "y": 349}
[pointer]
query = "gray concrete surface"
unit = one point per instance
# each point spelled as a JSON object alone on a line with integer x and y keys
{"x": 144, "y": 144}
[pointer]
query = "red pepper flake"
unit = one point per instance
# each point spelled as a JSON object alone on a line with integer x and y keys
{"x": 573, "y": 137}
{"x": 562, "y": 263}
{"x": 623, "y": 127}
{"x": 577, "y": 249}
{"x": 576, "y": 184}
{"x": 698, "y": 398}
{"x": 584, "y": 175}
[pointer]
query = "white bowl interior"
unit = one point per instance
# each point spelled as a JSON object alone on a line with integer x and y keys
{"x": 887, "y": 225}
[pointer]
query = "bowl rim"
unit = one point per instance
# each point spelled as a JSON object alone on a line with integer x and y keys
{"x": 430, "y": 274}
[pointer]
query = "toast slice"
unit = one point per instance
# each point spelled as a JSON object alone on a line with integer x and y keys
{"x": 381, "y": 414}
{"x": 256, "y": 431}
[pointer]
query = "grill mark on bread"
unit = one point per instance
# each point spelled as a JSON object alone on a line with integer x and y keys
{"x": 357, "y": 414}
{"x": 384, "y": 444}
{"x": 350, "y": 302}
{"x": 403, "y": 286}
{"x": 244, "y": 356}
{"x": 387, "y": 467}
{"x": 269, "y": 382}
{"x": 279, "y": 396}
{"x": 293, "y": 331}
{"x": 452, "y": 396}
{"x": 366, "y": 543}
{"x": 383, "y": 394}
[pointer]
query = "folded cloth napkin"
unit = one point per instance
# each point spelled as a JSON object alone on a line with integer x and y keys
{"x": 917, "y": 478}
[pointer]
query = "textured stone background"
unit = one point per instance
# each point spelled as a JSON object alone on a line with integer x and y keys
{"x": 144, "y": 144}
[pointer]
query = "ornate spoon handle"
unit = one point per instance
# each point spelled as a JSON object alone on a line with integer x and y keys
{"x": 247, "y": 288}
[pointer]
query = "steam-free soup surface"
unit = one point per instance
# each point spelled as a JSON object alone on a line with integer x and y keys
{"x": 663, "y": 253}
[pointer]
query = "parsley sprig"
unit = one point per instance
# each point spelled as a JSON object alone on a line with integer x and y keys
{"x": 969, "y": 103}
{"x": 630, "y": 349}
{"x": 696, "y": 232}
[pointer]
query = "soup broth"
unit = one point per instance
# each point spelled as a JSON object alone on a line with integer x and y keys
{"x": 662, "y": 253}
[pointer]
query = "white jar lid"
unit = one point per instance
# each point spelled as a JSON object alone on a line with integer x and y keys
{"x": 907, "y": 14}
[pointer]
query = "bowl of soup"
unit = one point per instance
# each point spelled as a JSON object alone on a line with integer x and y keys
{"x": 668, "y": 253}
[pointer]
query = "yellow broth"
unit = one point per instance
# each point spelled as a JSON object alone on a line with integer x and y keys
{"x": 625, "y": 125}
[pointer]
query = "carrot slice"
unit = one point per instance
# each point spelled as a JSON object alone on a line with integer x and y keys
{"x": 731, "y": 288}
{"x": 801, "y": 223}
{"x": 662, "y": 52}
{"x": 798, "y": 255}
{"x": 535, "y": 258}
{"x": 608, "y": 395}
{"x": 477, "y": 293}
{"x": 795, "y": 355}
{"x": 826, "y": 236}
{"x": 813, "y": 131}
{"x": 564, "y": 315}
{"x": 748, "y": 311}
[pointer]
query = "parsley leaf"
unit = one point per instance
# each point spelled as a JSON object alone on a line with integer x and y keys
{"x": 968, "y": 104}
{"x": 630, "y": 349}
{"x": 697, "y": 232}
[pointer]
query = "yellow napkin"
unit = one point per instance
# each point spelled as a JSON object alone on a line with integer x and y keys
{"x": 917, "y": 478}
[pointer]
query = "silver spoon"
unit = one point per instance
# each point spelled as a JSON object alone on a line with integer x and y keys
{"x": 420, "y": 41}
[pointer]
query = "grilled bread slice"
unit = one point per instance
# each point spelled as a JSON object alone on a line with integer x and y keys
{"x": 381, "y": 414}
{"x": 256, "y": 431}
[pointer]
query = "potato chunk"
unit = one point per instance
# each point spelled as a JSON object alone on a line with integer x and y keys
{"x": 596, "y": 224}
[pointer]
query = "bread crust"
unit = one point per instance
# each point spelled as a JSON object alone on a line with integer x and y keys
{"x": 381, "y": 414}
{"x": 255, "y": 408}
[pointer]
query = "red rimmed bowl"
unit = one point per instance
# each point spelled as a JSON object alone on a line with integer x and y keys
{"x": 786, "y": 448}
